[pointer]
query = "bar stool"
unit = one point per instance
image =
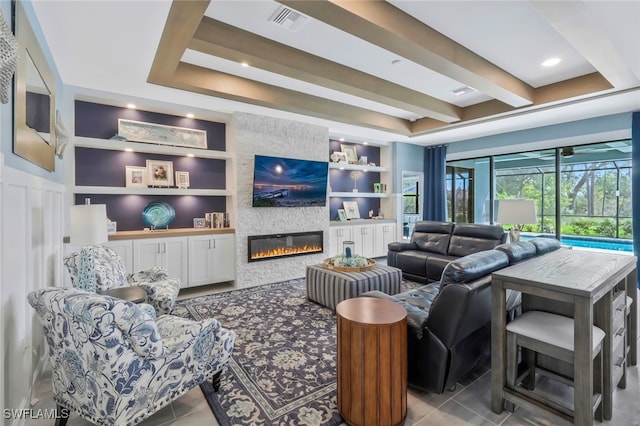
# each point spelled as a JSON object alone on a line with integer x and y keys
{"x": 552, "y": 335}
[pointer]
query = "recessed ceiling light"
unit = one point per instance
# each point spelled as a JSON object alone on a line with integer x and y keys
{"x": 551, "y": 62}
{"x": 131, "y": 106}
{"x": 365, "y": 143}
{"x": 244, "y": 64}
{"x": 190, "y": 115}
{"x": 190, "y": 155}
{"x": 128, "y": 149}
{"x": 341, "y": 139}
{"x": 463, "y": 90}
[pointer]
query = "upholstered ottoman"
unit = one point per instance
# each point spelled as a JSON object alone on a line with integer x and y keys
{"x": 328, "y": 287}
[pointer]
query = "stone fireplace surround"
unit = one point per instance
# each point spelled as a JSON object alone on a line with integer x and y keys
{"x": 248, "y": 135}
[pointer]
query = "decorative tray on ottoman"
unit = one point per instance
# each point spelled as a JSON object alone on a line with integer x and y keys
{"x": 329, "y": 265}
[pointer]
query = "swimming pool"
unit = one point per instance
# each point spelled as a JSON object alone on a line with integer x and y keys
{"x": 602, "y": 243}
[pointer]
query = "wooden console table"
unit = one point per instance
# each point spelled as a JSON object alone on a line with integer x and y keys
{"x": 372, "y": 362}
{"x": 577, "y": 283}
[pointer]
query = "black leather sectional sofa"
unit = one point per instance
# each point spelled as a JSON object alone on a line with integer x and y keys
{"x": 449, "y": 320}
{"x": 434, "y": 244}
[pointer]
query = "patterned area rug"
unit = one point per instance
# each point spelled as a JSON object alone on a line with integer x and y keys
{"x": 283, "y": 369}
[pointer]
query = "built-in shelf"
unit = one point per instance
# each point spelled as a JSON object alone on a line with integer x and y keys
{"x": 118, "y": 190}
{"x": 360, "y": 167}
{"x": 150, "y": 148}
{"x": 358, "y": 195}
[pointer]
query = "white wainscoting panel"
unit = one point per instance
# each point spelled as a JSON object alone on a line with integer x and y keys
{"x": 31, "y": 224}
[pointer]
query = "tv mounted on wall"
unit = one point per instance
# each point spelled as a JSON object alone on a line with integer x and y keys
{"x": 287, "y": 182}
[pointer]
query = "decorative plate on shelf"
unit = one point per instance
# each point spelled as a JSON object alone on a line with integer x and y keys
{"x": 158, "y": 214}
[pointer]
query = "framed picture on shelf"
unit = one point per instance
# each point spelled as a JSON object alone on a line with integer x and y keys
{"x": 342, "y": 215}
{"x": 182, "y": 179}
{"x": 350, "y": 151}
{"x": 160, "y": 173}
{"x": 339, "y": 157}
{"x": 351, "y": 209}
{"x": 199, "y": 222}
{"x": 138, "y": 131}
{"x": 135, "y": 177}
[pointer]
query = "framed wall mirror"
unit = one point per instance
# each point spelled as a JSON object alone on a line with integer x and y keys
{"x": 34, "y": 99}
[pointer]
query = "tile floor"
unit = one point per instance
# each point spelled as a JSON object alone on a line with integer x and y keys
{"x": 468, "y": 404}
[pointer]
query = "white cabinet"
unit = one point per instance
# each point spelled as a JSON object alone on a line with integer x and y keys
{"x": 124, "y": 248}
{"x": 337, "y": 235}
{"x": 364, "y": 237}
{"x": 370, "y": 239}
{"x": 211, "y": 259}
{"x": 385, "y": 234}
{"x": 172, "y": 253}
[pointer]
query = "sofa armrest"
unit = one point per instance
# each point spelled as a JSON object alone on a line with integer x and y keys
{"x": 401, "y": 246}
{"x": 416, "y": 317}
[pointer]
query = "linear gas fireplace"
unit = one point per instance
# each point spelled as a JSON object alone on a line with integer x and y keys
{"x": 266, "y": 247}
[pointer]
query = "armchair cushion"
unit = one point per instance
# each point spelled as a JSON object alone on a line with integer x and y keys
{"x": 114, "y": 363}
{"x": 99, "y": 268}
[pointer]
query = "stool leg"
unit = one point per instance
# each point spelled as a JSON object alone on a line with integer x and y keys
{"x": 598, "y": 384}
{"x": 512, "y": 367}
{"x": 531, "y": 357}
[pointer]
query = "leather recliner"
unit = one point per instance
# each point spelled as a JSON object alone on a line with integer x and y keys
{"x": 448, "y": 322}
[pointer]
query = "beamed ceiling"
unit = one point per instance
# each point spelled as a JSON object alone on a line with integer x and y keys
{"x": 380, "y": 71}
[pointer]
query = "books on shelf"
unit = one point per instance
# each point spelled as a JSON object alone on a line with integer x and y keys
{"x": 217, "y": 220}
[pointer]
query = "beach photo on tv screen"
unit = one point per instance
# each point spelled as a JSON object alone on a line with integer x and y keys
{"x": 289, "y": 182}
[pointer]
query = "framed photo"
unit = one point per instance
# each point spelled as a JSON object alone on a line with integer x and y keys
{"x": 363, "y": 160}
{"x": 199, "y": 222}
{"x": 350, "y": 151}
{"x": 351, "y": 209}
{"x": 112, "y": 227}
{"x": 135, "y": 177}
{"x": 342, "y": 215}
{"x": 138, "y": 131}
{"x": 339, "y": 157}
{"x": 160, "y": 173}
{"x": 182, "y": 179}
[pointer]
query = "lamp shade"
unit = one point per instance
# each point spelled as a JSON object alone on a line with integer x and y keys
{"x": 517, "y": 212}
{"x": 88, "y": 225}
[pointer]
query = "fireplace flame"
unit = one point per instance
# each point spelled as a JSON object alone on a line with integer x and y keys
{"x": 284, "y": 251}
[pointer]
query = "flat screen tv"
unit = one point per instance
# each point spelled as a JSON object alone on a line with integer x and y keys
{"x": 287, "y": 182}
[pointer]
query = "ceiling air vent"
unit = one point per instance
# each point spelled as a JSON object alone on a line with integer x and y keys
{"x": 288, "y": 18}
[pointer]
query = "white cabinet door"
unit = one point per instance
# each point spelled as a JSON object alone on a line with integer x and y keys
{"x": 211, "y": 259}
{"x": 364, "y": 237}
{"x": 124, "y": 248}
{"x": 385, "y": 234}
{"x": 199, "y": 254}
{"x": 170, "y": 253}
{"x": 337, "y": 235}
{"x": 223, "y": 265}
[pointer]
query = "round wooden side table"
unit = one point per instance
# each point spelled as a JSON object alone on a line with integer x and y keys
{"x": 372, "y": 362}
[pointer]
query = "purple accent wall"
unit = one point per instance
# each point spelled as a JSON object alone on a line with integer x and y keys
{"x": 364, "y": 205}
{"x": 127, "y": 209}
{"x": 371, "y": 152}
{"x": 99, "y": 167}
{"x": 101, "y": 121}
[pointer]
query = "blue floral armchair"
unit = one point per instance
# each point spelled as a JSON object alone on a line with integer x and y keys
{"x": 114, "y": 363}
{"x": 99, "y": 268}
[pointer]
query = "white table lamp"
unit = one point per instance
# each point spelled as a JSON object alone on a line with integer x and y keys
{"x": 88, "y": 225}
{"x": 516, "y": 213}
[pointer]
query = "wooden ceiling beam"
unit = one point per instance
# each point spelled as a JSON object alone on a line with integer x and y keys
{"x": 386, "y": 26}
{"x": 222, "y": 40}
{"x": 214, "y": 83}
{"x": 182, "y": 22}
